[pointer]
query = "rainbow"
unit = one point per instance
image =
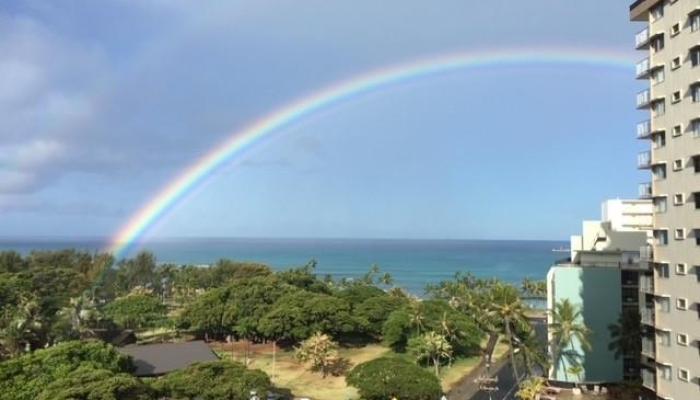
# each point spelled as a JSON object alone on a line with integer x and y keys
{"x": 240, "y": 141}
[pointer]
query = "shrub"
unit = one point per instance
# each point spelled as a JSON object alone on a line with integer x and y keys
{"x": 385, "y": 378}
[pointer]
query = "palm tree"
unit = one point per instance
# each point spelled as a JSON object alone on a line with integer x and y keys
{"x": 507, "y": 307}
{"x": 386, "y": 279}
{"x": 416, "y": 315}
{"x": 567, "y": 329}
{"x": 626, "y": 334}
{"x": 532, "y": 351}
{"x": 577, "y": 371}
{"x": 531, "y": 389}
{"x": 431, "y": 346}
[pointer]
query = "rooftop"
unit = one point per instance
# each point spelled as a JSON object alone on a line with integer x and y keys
{"x": 159, "y": 359}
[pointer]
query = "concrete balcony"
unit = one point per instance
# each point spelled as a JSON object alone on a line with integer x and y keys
{"x": 648, "y": 315}
{"x": 649, "y": 347}
{"x": 649, "y": 379}
{"x": 641, "y": 39}
{"x": 644, "y": 160}
{"x": 644, "y": 130}
{"x": 645, "y": 190}
{"x": 646, "y": 284}
{"x": 643, "y": 69}
{"x": 644, "y": 99}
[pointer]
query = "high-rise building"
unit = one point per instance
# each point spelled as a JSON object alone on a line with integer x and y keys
{"x": 671, "y": 289}
{"x": 601, "y": 279}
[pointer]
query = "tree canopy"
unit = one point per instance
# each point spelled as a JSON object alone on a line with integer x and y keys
{"x": 385, "y": 378}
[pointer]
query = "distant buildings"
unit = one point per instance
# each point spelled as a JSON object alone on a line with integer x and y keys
{"x": 671, "y": 287}
{"x": 601, "y": 278}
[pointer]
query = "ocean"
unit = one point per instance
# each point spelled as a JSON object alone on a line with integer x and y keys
{"x": 412, "y": 263}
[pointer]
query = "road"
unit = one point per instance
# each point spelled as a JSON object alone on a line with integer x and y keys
{"x": 506, "y": 382}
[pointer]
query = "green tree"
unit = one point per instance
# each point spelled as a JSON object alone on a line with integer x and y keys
{"x": 531, "y": 389}
{"x": 566, "y": 329}
{"x": 385, "y": 378}
{"x": 320, "y": 351}
{"x": 217, "y": 380}
{"x": 431, "y": 347}
{"x": 507, "y": 308}
{"x": 140, "y": 271}
{"x": 375, "y": 311}
{"x": 137, "y": 311}
{"x": 86, "y": 383}
{"x": 25, "y": 377}
{"x": 626, "y": 334}
{"x": 299, "y": 314}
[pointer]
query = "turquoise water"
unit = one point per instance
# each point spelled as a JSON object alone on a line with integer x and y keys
{"x": 412, "y": 263}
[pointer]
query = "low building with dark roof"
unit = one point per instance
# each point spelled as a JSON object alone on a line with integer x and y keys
{"x": 159, "y": 359}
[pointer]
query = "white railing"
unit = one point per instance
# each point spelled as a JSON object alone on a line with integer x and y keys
{"x": 644, "y": 159}
{"x": 645, "y": 190}
{"x": 649, "y": 346}
{"x": 646, "y": 284}
{"x": 649, "y": 379}
{"x": 643, "y": 67}
{"x": 641, "y": 38}
{"x": 643, "y": 98}
{"x": 643, "y": 129}
{"x": 648, "y": 315}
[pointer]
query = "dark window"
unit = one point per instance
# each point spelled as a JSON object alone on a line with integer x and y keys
{"x": 696, "y": 196}
{"x": 695, "y": 57}
{"x": 697, "y": 237}
{"x": 663, "y": 270}
{"x": 696, "y": 163}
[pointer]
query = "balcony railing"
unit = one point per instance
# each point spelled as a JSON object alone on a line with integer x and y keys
{"x": 641, "y": 39}
{"x": 649, "y": 379}
{"x": 643, "y": 98}
{"x": 649, "y": 347}
{"x": 644, "y": 160}
{"x": 648, "y": 315}
{"x": 644, "y": 129}
{"x": 643, "y": 68}
{"x": 645, "y": 190}
{"x": 646, "y": 283}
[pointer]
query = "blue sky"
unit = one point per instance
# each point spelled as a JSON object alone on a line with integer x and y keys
{"x": 102, "y": 103}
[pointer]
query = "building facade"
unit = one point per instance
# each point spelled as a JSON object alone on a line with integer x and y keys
{"x": 601, "y": 278}
{"x": 670, "y": 39}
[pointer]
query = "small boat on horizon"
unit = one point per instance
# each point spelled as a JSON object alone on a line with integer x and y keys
{"x": 561, "y": 250}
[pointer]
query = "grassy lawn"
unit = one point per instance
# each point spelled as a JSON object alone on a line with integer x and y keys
{"x": 290, "y": 374}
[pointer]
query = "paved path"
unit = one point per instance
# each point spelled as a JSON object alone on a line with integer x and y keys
{"x": 467, "y": 389}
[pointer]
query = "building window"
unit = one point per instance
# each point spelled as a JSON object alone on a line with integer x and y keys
{"x": 676, "y": 96}
{"x": 676, "y": 62}
{"x": 695, "y": 22}
{"x": 665, "y": 372}
{"x": 682, "y": 304}
{"x": 660, "y": 205}
{"x": 664, "y": 338}
{"x": 696, "y": 197}
{"x": 657, "y": 12}
{"x": 677, "y": 165}
{"x": 677, "y": 130}
{"x": 665, "y": 304}
{"x": 682, "y": 339}
{"x": 657, "y": 44}
{"x": 696, "y": 163}
{"x": 683, "y": 374}
{"x": 695, "y": 127}
{"x": 679, "y": 234}
{"x": 659, "y": 171}
{"x": 658, "y": 76}
{"x": 661, "y": 237}
{"x": 697, "y": 236}
{"x": 659, "y": 140}
{"x": 681, "y": 269}
{"x": 695, "y": 93}
{"x": 678, "y": 199}
{"x": 676, "y": 29}
{"x": 658, "y": 108}
{"x": 695, "y": 57}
